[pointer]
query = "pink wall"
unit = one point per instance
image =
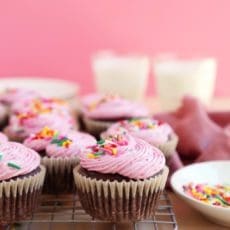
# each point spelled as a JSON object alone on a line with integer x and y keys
{"x": 56, "y": 37}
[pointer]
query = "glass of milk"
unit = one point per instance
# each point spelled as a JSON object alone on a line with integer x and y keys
{"x": 125, "y": 75}
{"x": 176, "y": 77}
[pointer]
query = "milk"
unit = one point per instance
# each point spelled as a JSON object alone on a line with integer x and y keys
{"x": 120, "y": 74}
{"x": 176, "y": 78}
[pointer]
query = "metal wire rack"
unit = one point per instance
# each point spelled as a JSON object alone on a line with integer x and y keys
{"x": 65, "y": 212}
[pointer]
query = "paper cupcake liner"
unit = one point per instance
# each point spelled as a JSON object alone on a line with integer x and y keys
{"x": 19, "y": 197}
{"x": 59, "y": 175}
{"x": 95, "y": 127}
{"x": 120, "y": 201}
{"x": 169, "y": 147}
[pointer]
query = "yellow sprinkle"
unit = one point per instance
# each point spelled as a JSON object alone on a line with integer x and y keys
{"x": 90, "y": 156}
{"x": 114, "y": 151}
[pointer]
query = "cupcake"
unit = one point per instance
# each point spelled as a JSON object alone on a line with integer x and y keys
{"x": 156, "y": 133}
{"x": 100, "y": 111}
{"x": 3, "y": 138}
{"x": 23, "y": 124}
{"x": 21, "y": 181}
{"x": 60, "y": 155}
{"x": 120, "y": 178}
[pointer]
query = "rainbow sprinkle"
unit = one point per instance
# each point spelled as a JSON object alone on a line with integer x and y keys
{"x": 108, "y": 97}
{"x": 13, "y": 165}
{"x": 108, "y": 146}
{"x": 45, "y": 133}
{"x": 140, "y": 124}
{"x": 62, "y": 141}
{"x": 217, "y": 195}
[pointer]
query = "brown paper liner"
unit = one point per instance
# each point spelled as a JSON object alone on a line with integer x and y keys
{"x": 95, "y": 127}
{"x": 59, "y": 175}
{"x": 169, "y": 147}
{"x": 120, "y": 201}
{"x": 19, "y": 197}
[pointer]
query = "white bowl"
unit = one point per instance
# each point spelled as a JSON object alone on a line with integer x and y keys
{"x": 46, "y": 86}
{"x": 213, "y": 172}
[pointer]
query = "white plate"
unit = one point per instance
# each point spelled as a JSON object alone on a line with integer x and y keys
{"x": 46, "y": 86}
{"x": 213, "y": 172}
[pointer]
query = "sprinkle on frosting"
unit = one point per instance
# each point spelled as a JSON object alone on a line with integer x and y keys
{"x": 24, "y": 116}
{"x": 108, "y": 146}
{"x": 45, "y": 133}
{"x": 1, "y": 156}
{"x": 62, "y": 141}
{"x": 140, "y": 123}
{"x": 217, "y": 195}
{"x": 13, "y": 165}
{"x": 97, "y": 102}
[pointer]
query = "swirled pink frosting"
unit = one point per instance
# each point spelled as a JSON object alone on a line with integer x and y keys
{"x": 13, "y": 95}
{"x": 148, "y": 129}
{"x": 33, "y": 123}
{"x": 24, "y": 158}
{"x": 69, "y": 145}
{"x": 130, "y": 157}
{"x": 97, "y": 106}
{"x": 3, "y": 138}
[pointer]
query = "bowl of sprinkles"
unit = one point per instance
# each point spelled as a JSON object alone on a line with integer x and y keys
{"x": 206, "y": 187}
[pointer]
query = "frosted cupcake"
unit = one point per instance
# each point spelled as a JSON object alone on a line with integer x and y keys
{"x": 101, "y": 111}
{"x": 156, "y": 133}
{"x": 120, "y": 179}
{"x": 62, "y": 155}
{"x": 23, "y": 124}
{"x": 21, "y": 181}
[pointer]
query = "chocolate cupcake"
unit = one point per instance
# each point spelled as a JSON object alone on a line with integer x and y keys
{"x": 21, "y": 181}
{"x": 156, "y": 133}
{"x": 120, "y": 179}
{"x": 99, "y": 112}
{"x": 59, "y": 155}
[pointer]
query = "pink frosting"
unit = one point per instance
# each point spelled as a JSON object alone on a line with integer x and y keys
{"x": 111, "y": 107}
{"x": 24, "y": 127}
{"x": 148, "y": 129}
{"x": 39, "y": 103}
{"x": 75, "y": 140}
{"x": 26, "y": 159}
{"x": 132, "y": 158}
{"x": 13, "y": 95}
{"x": 3, "y": 138}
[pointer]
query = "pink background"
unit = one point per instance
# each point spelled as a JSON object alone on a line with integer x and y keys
{"x": 57, "y": 37}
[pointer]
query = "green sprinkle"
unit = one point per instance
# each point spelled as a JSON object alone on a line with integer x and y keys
{"x": 99, "y": 153}
{"x": 1, "y": 156}
{"x": 101, "y": 142}
{"x": 13, "y": 165}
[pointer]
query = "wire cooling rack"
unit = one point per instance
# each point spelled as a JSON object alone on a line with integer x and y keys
{"x": 65, "y": 212}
